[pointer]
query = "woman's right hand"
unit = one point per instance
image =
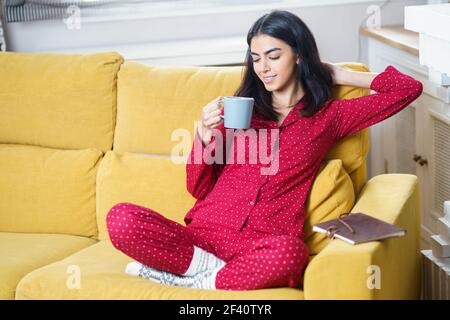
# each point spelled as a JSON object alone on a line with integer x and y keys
{"x": 210, "y": 119}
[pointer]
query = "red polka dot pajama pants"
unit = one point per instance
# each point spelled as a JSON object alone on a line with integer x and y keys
{"x": 253, "y": 260}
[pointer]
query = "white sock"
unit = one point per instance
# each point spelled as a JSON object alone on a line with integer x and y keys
{"x": 206, "y": 279}
{"x": 201, "y": 280}
{"x": 134, "y": 268}
{"x": 203, "y": 261}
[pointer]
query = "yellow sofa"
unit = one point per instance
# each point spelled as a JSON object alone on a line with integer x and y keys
{"x": 80, "y": 133}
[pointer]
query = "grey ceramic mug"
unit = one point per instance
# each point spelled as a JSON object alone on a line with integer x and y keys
{"x": 237, "y": 112}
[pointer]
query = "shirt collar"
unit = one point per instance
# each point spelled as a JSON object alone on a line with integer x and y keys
{"x": 258, "y": 122}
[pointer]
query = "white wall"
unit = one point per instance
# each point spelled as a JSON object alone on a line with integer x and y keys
{"x": 211, "y": 37}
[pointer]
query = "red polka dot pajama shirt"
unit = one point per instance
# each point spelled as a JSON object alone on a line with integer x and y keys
{"x": 249, "y": 211}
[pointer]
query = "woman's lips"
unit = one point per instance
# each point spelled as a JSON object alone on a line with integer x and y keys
{"x": 268, "y": 79}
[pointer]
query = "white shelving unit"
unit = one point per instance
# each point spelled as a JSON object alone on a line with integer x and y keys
{"x": 415, "y": 140}
{"x": 432, "y": 22}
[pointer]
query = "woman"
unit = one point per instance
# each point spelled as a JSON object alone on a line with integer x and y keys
{"x": 245, "y": 230}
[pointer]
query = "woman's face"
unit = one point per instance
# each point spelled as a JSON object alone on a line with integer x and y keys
{"x": 273, "y": 61}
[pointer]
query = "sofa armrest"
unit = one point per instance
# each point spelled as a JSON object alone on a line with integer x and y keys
{"x": 387, "y": 269}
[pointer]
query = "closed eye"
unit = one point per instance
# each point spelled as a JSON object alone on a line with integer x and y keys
{"x": 274, "y": 58}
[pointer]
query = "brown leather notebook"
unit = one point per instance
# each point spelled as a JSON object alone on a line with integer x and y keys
{"x": 356, "y": 228}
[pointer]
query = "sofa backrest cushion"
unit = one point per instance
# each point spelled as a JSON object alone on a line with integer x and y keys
{"x": 65, "y": 101}
{"x": 158, "y": 106}
{"x": 46, "y": 190}
{"x": 156, "y": 102}
{"x": 155, "y": 182}
{"x": 352, "y": 150}
{"x": 331, "y": 194}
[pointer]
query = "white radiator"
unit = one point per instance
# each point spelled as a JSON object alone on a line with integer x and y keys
{"x": 435, "y": 277}
{"x": 32, "y": 10}
{"x": 441, "y": 134}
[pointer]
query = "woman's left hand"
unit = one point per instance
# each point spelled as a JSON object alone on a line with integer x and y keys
{"x": 346, "y": 77}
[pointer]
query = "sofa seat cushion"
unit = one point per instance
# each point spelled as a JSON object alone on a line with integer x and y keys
{"x": 48, "y": 190}
{"x": 158, "y": 183}
{"x": 102, "y": 276}
{"x": 22, "y": 253}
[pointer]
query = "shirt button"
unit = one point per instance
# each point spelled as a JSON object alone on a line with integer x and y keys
{"x": 252, "y": 203}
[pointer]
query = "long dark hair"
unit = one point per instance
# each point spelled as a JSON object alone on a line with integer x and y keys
{"x": 314, "y": 76}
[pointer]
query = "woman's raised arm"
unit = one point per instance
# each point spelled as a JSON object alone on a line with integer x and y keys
{"x": 394, "y": 92}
